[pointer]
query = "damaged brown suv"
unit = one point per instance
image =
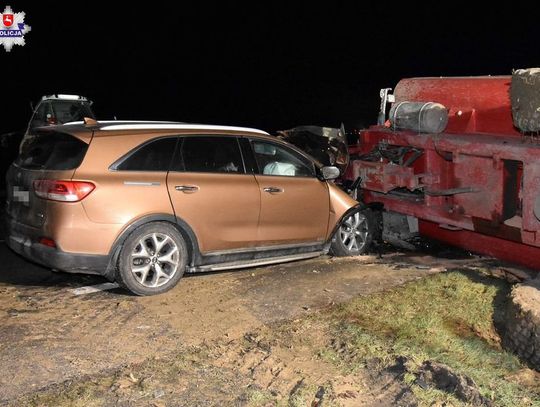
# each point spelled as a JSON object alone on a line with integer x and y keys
{"x": 143, "y": 202}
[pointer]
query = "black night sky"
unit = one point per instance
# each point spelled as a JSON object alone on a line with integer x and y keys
{"x": 271, "y": 67}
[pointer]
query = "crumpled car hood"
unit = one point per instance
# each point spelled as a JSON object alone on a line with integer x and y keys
{"x": 326, "y": 144}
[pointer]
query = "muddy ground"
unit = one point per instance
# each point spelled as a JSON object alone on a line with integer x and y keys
{"x": 49, "y": 335}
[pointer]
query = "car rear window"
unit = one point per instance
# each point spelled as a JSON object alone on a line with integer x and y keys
{"x": 52, "y": 151}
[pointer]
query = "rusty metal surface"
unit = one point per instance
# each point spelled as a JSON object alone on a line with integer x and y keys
{"x": 480, "y": 177}
{"x": 476, "y": 104}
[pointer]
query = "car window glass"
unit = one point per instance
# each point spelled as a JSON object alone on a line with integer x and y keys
{"x": 65, "y": 111}
{"x": 40, "y": 117}
{"x": 273, "y": 159}
{"x": 210, "y": 154}
{"x": 153, "y": 156}
{"x": 52, "y": 151}
{"x": 247, "y": 155}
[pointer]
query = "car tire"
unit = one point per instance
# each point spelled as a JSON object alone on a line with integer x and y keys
{"x": 152, "y": 259}
{"x": 355, "y": 233}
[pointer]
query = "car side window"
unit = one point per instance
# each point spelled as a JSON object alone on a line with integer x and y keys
{"x": 213, "y": 154}
{"x": 153, "y": 156}
{"x": 273, "y": 159}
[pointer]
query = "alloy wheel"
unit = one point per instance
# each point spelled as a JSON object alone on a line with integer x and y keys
{"x": 154, "y": 260}
{"x": 353, "y": 232}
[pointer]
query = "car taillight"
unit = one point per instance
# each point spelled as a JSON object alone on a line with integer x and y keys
{"x": 64, "y": 191}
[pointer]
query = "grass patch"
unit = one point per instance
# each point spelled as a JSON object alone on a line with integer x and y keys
{"x": 85, "y": 394}
{"x": 447, "y": 318}
{"x": 259, "y": 398}
{"x": 135, "y": 382}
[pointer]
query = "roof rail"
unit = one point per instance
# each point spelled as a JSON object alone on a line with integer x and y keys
{"x": 177, "y": 126}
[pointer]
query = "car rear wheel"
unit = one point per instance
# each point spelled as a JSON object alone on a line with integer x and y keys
{"x": 152, "y": 259}
{"x": 355, "y": 234}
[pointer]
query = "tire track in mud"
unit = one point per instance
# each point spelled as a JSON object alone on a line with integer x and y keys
{"x": 48, "y": 335}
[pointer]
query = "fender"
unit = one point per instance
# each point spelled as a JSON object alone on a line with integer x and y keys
{"x": 357, "y": 207}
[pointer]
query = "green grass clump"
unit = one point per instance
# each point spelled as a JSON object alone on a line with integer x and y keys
{"x": 447, "y": 318}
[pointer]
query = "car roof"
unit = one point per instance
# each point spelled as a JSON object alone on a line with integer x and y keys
{"x": 115, "y": 126}
{"x": 104, "y": 128}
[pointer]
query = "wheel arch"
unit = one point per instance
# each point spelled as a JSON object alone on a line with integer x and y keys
{"x": 182, "y": 226}
{"x": 352, "y": 209}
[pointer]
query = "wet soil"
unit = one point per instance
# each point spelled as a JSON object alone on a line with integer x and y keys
{"x": 50, "y": 336}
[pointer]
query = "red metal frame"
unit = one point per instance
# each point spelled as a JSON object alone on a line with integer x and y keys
{"x": 477, "y": 184}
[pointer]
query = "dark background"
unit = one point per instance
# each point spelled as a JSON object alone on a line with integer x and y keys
{"x": 271, "y": 67}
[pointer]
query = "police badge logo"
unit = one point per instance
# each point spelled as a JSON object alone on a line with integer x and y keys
{"x": 13, "y": 29}
{"x": 7, "y": 19}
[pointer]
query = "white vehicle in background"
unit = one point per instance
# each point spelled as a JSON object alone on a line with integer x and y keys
{"x": 57, "y": 109}
{"x": 50, "y": 110}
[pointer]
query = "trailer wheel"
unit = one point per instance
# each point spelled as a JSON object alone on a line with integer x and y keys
{"x": 355, "y": 234}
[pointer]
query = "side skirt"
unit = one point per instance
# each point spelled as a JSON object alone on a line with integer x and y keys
{"x": 256, "y": 262}
{"x": 258, "y": 256}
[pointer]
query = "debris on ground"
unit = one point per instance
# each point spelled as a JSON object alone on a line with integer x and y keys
{"x": 442, "y": 377}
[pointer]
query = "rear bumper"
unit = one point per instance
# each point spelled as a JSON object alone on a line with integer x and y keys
{"x": 22, "y": 239}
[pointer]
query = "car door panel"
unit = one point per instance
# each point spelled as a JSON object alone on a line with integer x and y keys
{"x": 221, "y": 207}
{"x": 223, "y": 210}
{"x": 294, "y": 203}
{"x": 297, "y": 213}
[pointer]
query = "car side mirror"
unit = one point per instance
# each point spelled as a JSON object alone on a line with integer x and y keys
{"x": 329, "y": 172}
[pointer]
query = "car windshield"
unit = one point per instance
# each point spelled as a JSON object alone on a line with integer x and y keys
{"x": 71, "y": 111}
{"x": 60, "y": 112}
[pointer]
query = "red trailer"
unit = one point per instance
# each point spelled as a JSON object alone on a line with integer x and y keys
{"x": 450, "y": 165}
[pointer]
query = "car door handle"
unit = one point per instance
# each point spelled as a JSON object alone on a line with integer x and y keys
{"x": 272, "y": 190}
{"x": 187, "y": 188}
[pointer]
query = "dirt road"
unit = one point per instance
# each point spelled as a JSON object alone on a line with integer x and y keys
{"x": 50, "y": 335}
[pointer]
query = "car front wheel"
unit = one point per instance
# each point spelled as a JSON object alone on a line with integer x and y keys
{"x": 153, "y": 259}
{"x": 355, "y": 234}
